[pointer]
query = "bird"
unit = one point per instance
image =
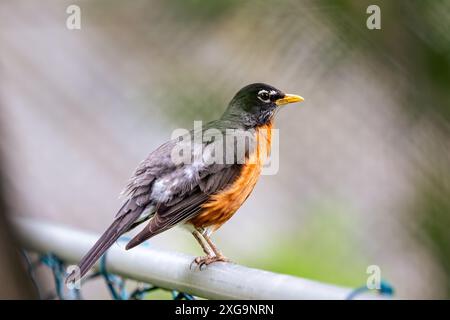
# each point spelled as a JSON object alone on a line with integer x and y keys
{"x": 200, "y": 179}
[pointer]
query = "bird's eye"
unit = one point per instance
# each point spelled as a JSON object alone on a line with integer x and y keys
{"x": 264, "y": 96}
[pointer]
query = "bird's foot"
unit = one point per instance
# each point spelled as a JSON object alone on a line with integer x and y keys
{"x": 202, "y": 262}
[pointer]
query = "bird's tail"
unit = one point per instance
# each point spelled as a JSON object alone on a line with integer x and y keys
{"x": 120, "y": 225}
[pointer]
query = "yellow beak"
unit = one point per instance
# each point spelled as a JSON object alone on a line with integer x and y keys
{"x": 289, "y": 98}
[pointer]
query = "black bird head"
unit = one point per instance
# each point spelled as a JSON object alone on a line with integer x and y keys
{"x": 255, "y": 105}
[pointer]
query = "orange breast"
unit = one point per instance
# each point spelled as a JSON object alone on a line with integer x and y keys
{"x": 224, "y": 204}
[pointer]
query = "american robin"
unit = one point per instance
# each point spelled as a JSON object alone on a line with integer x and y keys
{"x": 200, "y": 187}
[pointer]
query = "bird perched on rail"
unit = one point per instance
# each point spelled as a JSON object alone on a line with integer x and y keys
{"x": 198, "y": 183}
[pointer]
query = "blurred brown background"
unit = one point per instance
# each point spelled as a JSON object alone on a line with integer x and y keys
{"x": 364, "y": 163}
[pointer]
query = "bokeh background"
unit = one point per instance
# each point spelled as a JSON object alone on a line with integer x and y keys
{"x": 364, "y": 162}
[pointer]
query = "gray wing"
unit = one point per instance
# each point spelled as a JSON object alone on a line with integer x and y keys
{"x": 186, "y": 205}
{"x": 157, "y": 164}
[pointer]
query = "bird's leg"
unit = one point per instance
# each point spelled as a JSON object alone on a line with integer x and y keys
{"x": 213, "y": 254}
{"x": 201, "y": 240}
{"x": 200, "y": 261}
{"x": 218, "y": 254}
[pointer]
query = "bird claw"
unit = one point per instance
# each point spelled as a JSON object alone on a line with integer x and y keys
{"x": 202, "y": 262}
{"x": 196, "y": 261}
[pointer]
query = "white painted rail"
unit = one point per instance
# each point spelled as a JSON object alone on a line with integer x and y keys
{"x": 171, "y": 270}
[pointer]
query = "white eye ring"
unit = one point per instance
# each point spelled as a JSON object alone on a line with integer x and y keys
{"x": 264, "y": 96}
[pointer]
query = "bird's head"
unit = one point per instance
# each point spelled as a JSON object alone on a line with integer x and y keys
{"x": 256, "y": 104}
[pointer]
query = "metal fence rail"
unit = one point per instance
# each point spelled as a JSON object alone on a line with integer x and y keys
{"x": 170, "y": 270}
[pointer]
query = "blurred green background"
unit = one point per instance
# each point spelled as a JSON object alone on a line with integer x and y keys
{"x": 364, "y": 163}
